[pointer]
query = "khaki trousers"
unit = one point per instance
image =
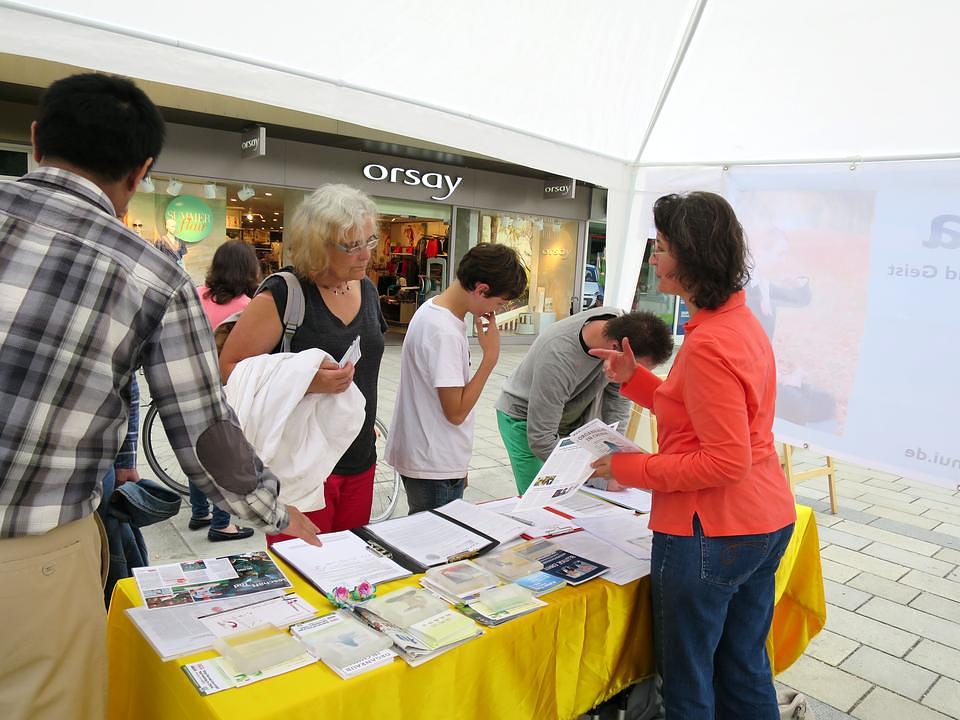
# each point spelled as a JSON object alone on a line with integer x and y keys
{"x": 53, "y": 652}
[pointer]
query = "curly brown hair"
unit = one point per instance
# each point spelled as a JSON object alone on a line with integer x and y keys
{"x": 708, "y": 244}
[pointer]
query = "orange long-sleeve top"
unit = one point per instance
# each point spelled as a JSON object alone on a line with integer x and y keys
{"x": 714, "y": 413}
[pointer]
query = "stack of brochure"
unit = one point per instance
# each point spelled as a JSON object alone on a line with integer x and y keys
{"x": 459, "y": 581}
{"x": 500, "y": 604}
{"x": 558, "y": 563}
{"x": 346, "y": 645}
{"x": 525, "y": 572}
{"x": 420, "y": 625}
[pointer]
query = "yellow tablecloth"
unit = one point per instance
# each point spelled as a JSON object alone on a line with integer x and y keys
{"x": 586, "y": 645}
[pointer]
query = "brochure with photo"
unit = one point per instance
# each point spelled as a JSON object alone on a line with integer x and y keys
{"x": 208, "y": 580}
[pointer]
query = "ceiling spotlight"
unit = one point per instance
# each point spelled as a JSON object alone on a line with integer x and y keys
{"x": 245, "y": 193}
{"x": 210, "y": 191}
{"x": 268, "y": 194}
{"x": 174, "y": 187}
{"x": 146, "y": 185}
{"x": 250, "y": 216}
{"x": 233, "y": 199}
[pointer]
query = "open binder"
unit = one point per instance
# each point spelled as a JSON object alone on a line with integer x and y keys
{"x": 384, "y": 551}
{"x": 382, "y": 539}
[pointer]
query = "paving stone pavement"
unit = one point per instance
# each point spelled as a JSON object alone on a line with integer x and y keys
{"x": 891, "y": 564}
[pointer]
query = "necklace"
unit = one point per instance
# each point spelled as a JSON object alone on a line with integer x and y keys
{"x": 341, "y": 289}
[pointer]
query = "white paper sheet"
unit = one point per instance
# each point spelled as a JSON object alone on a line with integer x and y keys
{"x": 343, "y": 559}
{"x": 632, "y": 498}
{"x": 629, "y": 533}
{"x": 581, "y": 504}
{"x": 479, "y": 517}
{"x": 542, "y": 522}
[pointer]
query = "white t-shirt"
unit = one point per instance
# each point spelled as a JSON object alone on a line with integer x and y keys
{"x": 422, "y": 443}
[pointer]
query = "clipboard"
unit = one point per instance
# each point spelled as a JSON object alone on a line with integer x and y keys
{"x": 368, "y": 533}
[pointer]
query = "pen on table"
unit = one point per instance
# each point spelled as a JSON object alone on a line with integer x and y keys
{"x": 521, "y": 520}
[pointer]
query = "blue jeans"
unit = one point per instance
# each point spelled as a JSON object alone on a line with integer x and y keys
{"x": 429, "y": 494}
{"x": 200, "y": 507}
{"x": 712, "y": 609}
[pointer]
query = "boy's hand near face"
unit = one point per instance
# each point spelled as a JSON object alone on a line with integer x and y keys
{"x": 488, "y": 336}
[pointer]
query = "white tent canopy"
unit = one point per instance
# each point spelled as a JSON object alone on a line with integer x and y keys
{"x": 589, "y": 90}
{"x": 638, "y": 96}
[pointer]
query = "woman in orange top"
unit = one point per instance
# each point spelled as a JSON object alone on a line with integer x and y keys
{"x": 723, "y": 511}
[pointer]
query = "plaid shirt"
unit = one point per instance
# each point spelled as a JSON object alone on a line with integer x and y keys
{"x": 84, "y": 302}
{"x": 127, "y": 455}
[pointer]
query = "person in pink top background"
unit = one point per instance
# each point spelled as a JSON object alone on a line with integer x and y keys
{"x": 230, "y": 283}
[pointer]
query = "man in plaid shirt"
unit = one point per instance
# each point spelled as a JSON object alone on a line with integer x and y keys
{"x": 84, "y": 302}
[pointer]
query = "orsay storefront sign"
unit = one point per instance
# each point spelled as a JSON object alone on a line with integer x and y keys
{"x": 559, "y": 187}
{"x": 189, "y": 218}
{"x": 446, "y": 184}
{"x": 253, "y": 142}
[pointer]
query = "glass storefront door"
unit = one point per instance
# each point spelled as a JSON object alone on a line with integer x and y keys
{"x": 548, "y": 248}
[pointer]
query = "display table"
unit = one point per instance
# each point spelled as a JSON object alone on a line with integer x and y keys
{"x": 586, "y": 645}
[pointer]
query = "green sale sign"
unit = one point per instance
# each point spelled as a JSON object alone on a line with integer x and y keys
{"x": 190, "y": 218}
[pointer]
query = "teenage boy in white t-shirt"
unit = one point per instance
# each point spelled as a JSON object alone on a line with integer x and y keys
{"x": 431, "y": 436}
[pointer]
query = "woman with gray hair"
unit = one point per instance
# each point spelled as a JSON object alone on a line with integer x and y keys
{"x": 327, "y": 245}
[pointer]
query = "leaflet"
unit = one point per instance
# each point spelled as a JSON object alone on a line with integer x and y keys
{"x": 280, "y": 612}
{"x": 198, "y": 581}
{"x": 352, "y": 355}
{"x": 565, "y": 470}
{"x": 599, "y": 439}
{"x": 216, "y": 674}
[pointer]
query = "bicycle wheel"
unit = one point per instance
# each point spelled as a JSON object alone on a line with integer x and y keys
{"x": 386, "y": 483}
{"x": 159, "y": 454}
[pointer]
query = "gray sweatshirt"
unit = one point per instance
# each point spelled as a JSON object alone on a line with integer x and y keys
{"x": 558, "y": 386}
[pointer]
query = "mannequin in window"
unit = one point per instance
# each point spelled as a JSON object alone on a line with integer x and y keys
{"x": 169, "y": 244}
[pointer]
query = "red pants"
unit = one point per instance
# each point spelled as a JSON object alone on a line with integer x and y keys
{"x": 349, "y": 499}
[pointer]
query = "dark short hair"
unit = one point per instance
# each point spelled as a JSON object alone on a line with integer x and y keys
{"x": 103, "y": 124}
{"x": 706, "y": 240}
{"x": 233, "y": 272}
{"x": 496, "y": 265}
{"x": 649, "y": 336}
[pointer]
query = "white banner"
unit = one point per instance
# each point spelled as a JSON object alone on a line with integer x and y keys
{"x": 857, "y": 282}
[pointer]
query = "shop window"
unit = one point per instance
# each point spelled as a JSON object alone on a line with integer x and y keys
{"x": 548, "y": 248}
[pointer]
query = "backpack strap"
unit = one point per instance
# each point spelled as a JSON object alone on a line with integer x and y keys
{"x": 295, "y": 309}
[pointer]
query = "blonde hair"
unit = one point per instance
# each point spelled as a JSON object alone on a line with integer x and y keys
{"x": 328, "y": 215}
